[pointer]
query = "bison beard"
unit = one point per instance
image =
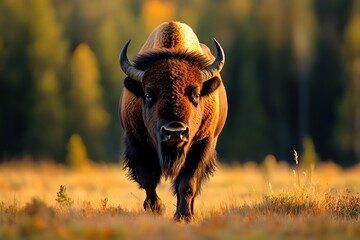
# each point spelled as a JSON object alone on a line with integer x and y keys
{"x": 172, "y": 159}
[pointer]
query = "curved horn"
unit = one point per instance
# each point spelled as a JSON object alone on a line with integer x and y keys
{"x": 127, "y": 67}
{"x": 216, "y": 66}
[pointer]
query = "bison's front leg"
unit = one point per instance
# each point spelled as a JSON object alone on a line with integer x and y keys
{"x": 200, "y": 163}
{"x": 153, "y": 202}
{"x": 186, "y": 193}
{"x": 149, "y": 181}
{"x": 142, "y": 162}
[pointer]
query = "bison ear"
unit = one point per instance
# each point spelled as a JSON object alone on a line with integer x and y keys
{"x": 134, "y": 87}
{"x": 210, "y": 85}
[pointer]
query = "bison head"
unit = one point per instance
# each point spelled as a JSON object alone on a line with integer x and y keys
{"x": 172, "y": 84}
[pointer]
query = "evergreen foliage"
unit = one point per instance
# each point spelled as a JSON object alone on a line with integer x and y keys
{"x": 292, "y": 71}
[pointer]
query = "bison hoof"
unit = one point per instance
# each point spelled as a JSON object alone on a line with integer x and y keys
{"x": 154, "y": 205}
{"x": 187, "y": 218}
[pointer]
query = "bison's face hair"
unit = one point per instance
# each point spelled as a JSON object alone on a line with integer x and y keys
{"x": 172, "y": 89}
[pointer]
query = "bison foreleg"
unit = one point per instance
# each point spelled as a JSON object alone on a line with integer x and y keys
{"x": 153, "y": 202}
{"x": 186, "y": 193}
{"x": 200, "y": 163}
{"x": 142, "y": 162}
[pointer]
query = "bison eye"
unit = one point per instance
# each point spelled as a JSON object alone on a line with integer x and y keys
{"x": 149, "y": 97}
{"x": 195, "y": 96}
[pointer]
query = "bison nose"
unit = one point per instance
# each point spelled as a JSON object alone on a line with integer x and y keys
{"x": 174, "y": 132}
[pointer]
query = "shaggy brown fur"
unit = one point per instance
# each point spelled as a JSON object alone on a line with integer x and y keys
{"x": 172, "y": 92}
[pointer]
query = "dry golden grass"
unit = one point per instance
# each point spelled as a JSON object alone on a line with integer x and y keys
{"x": 248, "y": 201}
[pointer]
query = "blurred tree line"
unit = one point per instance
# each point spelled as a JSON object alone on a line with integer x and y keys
{"x": 292, "y": 72}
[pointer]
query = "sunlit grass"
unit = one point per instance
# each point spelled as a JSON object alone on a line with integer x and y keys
{"x": 249, "y": 201}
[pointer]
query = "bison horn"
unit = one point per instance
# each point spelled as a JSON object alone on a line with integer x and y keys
{"x": 127, "y": 67}
{"x": 216, "y": 66}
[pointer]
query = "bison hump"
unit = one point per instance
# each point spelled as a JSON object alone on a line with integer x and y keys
{"x": 172, "y": 35}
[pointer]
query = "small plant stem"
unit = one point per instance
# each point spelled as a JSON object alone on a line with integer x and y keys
{"x": 297, "y": 166}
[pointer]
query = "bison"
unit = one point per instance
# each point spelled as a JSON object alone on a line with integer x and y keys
{"x": 172, "y": 110}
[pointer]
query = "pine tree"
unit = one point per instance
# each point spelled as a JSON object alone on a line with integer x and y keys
{"x": 15, "y": 84}
{"x": 155, "y": 12}
{"x": 107, "y": 47}
{"x": 348, "y": 130}
{"x": 77, "y": 154}
{"x": 86, "y": 113}
{"x": 35, "y": 55}
{"x": 46, "y": 55}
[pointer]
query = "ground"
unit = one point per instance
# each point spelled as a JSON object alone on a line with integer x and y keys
{"x": 268, "y": 201}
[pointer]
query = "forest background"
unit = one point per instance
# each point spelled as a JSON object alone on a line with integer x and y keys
{"x": 292, "y": 74}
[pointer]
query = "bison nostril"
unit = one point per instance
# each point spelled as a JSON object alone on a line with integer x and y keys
{"x": 184, "y": 134}
{"x": 166, "y": 134}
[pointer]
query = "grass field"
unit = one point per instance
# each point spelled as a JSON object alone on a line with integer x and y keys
{"x": 271, "y": 201}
